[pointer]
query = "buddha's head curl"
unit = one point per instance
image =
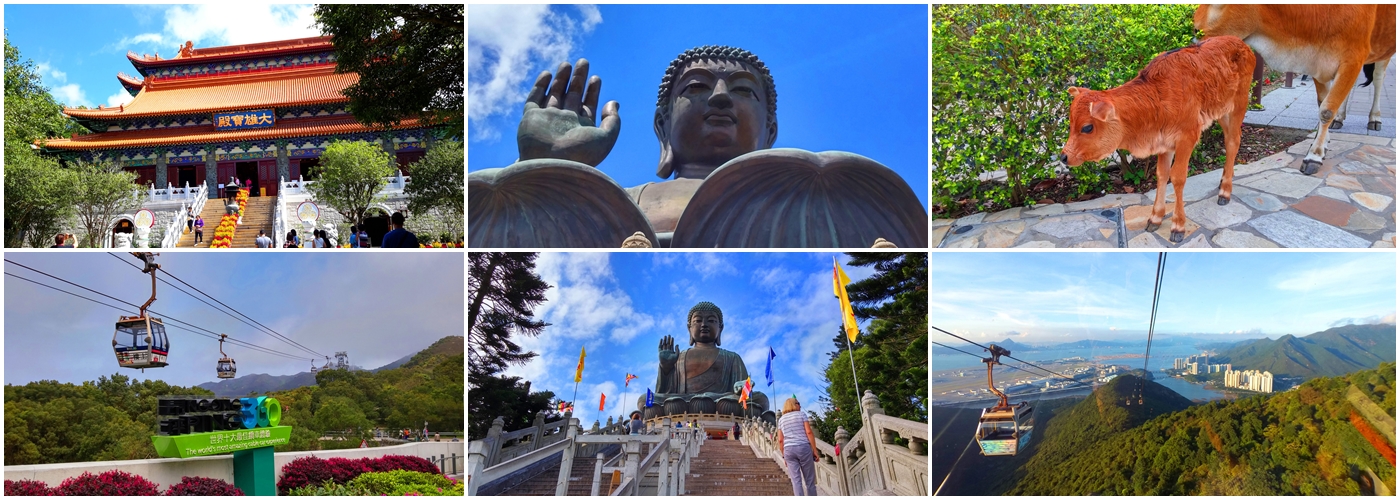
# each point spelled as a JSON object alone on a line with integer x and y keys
{"x": 715, "y": 103}
{"x": 705, "y": 322}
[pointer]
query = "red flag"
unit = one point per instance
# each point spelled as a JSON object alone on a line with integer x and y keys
{"x": 602, "y": 400}
{"x": 629, "y": 380}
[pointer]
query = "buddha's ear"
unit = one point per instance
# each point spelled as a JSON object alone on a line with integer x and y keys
{"x": 663, "y": 136}
{"x": 772, "y": 134}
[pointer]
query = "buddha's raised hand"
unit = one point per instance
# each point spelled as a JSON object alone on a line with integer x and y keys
{"x": 560, "y": 119}
{"x": 668, "y": 353}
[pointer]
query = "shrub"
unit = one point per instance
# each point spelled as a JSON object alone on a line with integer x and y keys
{"x": 27, "y": 488}
{"x": 343, "y": 469}
{"x": 202, "y": 486}
{"x": 304, "y": 471}
{"x": 999, "y": 78}
{"x": 402, "y": 462}
{"x": 110, "y": 483}
{"x": 401, "y": 482}
{"x": 327, "y": 488}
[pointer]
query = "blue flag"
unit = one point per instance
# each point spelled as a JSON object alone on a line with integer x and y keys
{"x": 649, "y": 402}
{"x": 769, "y": 371}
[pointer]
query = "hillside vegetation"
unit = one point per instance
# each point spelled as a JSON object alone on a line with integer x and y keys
{"x": 1331, "y": 353}
{"x": 114, "y": 417}
{"x": 1308, "y": 441}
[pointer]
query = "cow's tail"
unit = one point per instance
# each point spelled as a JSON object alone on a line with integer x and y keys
{"x": 1368, "y": 70}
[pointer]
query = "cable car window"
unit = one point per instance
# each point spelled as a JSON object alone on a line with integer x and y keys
{"x": 158, "y": 339}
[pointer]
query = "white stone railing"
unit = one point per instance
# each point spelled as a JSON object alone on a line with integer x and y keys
{"x": 868, "y": 463}
{"x": 173, "y": 193}
{"x": 393, "y": 184}
{"x": 176, "y": 228}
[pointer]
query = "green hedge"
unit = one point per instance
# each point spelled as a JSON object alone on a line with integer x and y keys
{"x": 1000, "y": 74}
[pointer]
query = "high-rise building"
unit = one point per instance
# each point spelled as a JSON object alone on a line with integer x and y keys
{"x": 1179, "y": 364}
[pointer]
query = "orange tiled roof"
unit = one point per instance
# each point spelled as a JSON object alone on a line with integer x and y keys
{"x": 292, "y": 87}
{"x": 295, "y": 127}
{"x": 234, "y": 51}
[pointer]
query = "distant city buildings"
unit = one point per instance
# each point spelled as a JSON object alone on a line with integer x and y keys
{"x": 1252, "y": 380}
{"x": 1196, "y": 364}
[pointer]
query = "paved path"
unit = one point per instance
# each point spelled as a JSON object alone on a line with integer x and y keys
{"x": 1349, "y": 203}
{"x": 1297, "y": 107}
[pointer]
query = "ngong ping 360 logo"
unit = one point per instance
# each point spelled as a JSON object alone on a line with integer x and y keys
{"x": 196, "y": 426}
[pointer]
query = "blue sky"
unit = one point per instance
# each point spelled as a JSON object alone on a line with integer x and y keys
{"x": 377, "y": 307}
{"x": 80, "y": 48}
{"x": 1051, "y": 297}
{"x": 849, "y": 78}
{"x": 620, "y": 305}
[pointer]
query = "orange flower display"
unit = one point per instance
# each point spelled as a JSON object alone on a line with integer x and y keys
{"x": 223, "y": 233}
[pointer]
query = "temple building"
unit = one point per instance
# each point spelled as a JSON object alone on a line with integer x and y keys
{"x": 257, "y": 112}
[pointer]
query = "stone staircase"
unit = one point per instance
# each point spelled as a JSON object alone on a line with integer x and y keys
{"x": 542, "y": 484}
{"x": 729, "y": 468}
{"x": 258, "y": 214}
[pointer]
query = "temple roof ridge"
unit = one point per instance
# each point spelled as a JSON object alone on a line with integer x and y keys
{"x": 209, "y": 54}
{"x": 318, "y": 84}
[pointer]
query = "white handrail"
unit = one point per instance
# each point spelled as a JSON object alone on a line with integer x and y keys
{"x": 174, "y": 230}
{"x": 279, "y": 220}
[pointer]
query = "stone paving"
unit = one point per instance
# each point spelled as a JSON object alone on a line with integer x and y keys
{"x": 1297, "y": 107}
{"x": 1349, "y": 203}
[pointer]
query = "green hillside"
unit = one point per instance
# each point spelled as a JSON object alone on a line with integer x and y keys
{"x": 1331, "y": 353}
{"x": 967, "y": 472}
{"x": 1300, "y": 442}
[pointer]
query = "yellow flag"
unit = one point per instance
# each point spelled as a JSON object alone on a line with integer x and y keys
{"x": 839, "y": 280}
{"x": 578, "y": 375}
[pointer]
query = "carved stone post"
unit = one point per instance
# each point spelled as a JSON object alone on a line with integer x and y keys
{"x": 673, "y": 463}
{"x": 566, "y": 463}
{"x": 476, "y": 462}
{"x": 211, "y": 170}
{"x": 161, "y": 174}
{"x": 538, "y": 434}
{"x": 493, "y": 441}
{"x": 633, "y": 449}
{"x": 875, "y": 439}
{"x": 844, "y": 470}
{"x": 597, "y": 474}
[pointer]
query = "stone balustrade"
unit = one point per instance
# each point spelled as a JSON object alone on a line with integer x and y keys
{"x": 177, "y": 226}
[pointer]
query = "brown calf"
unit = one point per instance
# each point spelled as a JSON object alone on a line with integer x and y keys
{"x": 1330, "y": 42}
{"x": 1163, "y": 112}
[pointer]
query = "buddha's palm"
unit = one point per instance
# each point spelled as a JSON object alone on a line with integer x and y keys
{"x": 668, "y": 353}
{"x": 560, "y": 118}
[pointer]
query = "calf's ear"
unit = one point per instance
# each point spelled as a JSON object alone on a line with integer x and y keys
{"x": 1074, "y": 91}
{"x": 1102, "y": 111}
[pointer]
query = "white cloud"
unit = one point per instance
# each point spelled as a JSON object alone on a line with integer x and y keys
{"x": 120, "y": 98}
{"x": 507, "y": 45}
{"x": 233, "y": 23}
{"x": 53, "y": 74}
{"x": 70, "y": 95}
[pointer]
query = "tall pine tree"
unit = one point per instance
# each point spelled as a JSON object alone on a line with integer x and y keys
{"x": 503, "y": 291}
{"x": 891, "y": 355}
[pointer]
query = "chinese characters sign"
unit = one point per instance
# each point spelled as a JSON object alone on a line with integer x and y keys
{"x": 240, "y": 120}
{"x": 192, "y": 426}
{"x": 214, "y": 443}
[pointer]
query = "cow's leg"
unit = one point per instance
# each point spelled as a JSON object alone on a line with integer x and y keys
{"x": 1159, "y": 205}
{"x": 1181, "y": 164}
{"x": 1341, "y": 118}
{"x": 1377, "y": 83}
{"x": 1231, "y": 124}
{"x": 1313, "y": 160}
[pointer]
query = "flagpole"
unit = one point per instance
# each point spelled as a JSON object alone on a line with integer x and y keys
{"x": 851, "y": 353}
{"x": 575, "y": 398}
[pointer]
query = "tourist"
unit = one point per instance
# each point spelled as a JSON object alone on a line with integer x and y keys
{"x": 317, "y": 240}
{"x": 198, "y": 229}
{"x": 437, "y": 437}
{"x": 398, "y": 237}
{"x": 364, "y": 238}
{"x": 58, "y": 240}
{"x": 736, "y": 431}
{"x": 635, "y": 426}
{"x": 354, "y": 237}
{"x": 291, "y": 240}
{"x": 799, "y": 448}
{"x": 263, "y": 241}
{"x": 189, "y": 222}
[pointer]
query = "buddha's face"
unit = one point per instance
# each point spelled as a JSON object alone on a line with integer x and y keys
{"x": 718, "y": 112}
{"x": 705, "y": 328}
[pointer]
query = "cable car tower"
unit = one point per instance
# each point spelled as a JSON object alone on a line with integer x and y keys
{"x": 139, "y": 341}
{"x": 226, "y": 367}
{"x": 1003, "y": 430}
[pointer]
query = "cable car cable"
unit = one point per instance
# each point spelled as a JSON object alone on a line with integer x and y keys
{"x": 152, "y": 311}
{"x": 245, "y": 322}
{"x": 1152, "y": 325}
{"x": 1028, "y": 363}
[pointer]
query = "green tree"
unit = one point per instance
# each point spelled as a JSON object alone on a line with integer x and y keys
{"x": 352, "y": 173}
{"x": 437, "y": 182}
{"x": 31, "y": 113}
{"x": 38, "y": 194}
{"x": 341, "y": 414}
{"x": 409, "y": 57}
{"x": 503, "y": 291}
{"x": 102, "y": 192}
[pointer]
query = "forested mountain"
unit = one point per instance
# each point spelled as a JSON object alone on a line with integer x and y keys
{"x": 114, "y": 418}
{"x": 261, "y": 383}
{"x": 1308, "y": 441}
{"x": 1334, "y": 352}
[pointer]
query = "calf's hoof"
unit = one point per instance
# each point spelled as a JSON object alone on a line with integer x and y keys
{"x": 1152, "y": 226}
{"x": 1310, "y": 167}
{"x": 1222, "y": 200}
{"x": 1336, "y": 124}
{"x": 1373, "y": 126}
{"x": 1177, "y": 236}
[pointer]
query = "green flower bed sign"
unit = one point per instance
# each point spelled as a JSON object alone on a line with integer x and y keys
{"x": 215, "y": 443}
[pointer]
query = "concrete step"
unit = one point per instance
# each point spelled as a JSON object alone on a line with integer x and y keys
{"x": 730, "y": 468}
{"x": 542, "y": 484}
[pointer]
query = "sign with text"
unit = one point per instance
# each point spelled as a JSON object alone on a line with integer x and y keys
{"x": 240, "y": 120}
{"x": 219, "y": 442}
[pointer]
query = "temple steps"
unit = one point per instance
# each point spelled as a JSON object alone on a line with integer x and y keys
{"x": 213, "y": 211}
{"x": 542, "y": 484}
{"x": 728, "y": 468}
{"x": 258, "y": 214}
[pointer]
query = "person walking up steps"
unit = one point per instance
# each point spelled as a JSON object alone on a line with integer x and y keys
{"x": 799, "y": 448}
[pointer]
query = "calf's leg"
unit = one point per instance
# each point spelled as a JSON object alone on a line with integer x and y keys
{"x": 1231, "y": 124}
{"x": 1179, "y": 168}
{"x": 1159, "y": 205}
{"x": 1376, "y": 88}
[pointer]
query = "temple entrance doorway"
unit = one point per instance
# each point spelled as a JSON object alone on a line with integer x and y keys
{"x": 377, "y": 225}
{"x": 247, "y": 171}
{"x": 186, "y": 176}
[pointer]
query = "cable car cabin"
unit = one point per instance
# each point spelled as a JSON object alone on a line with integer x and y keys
{"x": 1005, "y": 430}
{"x": 227, "y": 368}
{"x": 140, "y": 342}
